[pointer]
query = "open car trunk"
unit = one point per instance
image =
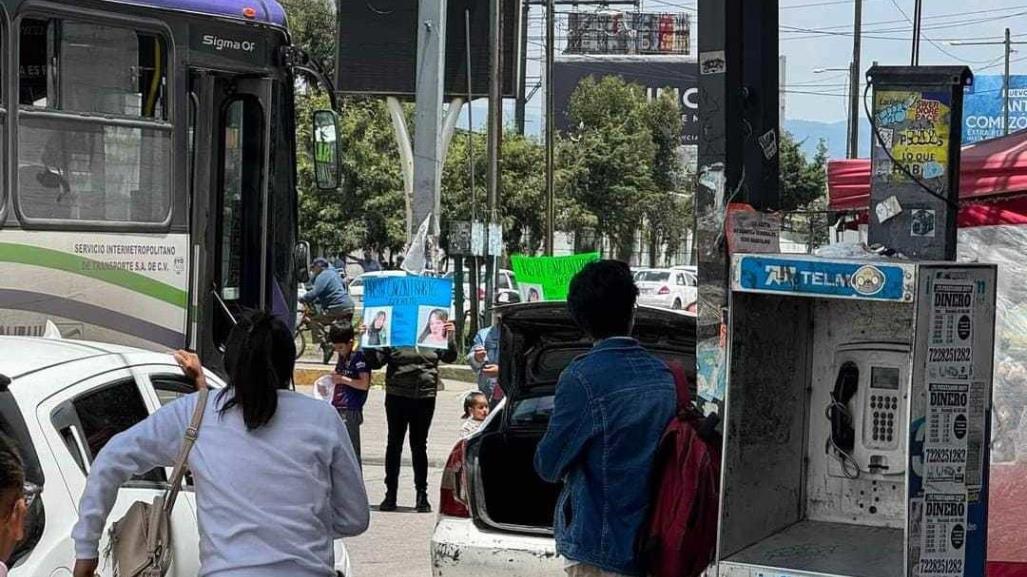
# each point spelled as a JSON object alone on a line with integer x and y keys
{"x": 541, "y": 340}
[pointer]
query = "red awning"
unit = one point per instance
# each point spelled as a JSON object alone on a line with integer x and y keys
{"x": 990, "y": 169}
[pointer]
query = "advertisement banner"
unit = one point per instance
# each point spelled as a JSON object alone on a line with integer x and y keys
{"x": 983, "y": 111}
{"x": 654, "y": 73}
{"x": 406, "y": 312}
{"x": 628, "y": 33}
{"x": 547, "y": 278}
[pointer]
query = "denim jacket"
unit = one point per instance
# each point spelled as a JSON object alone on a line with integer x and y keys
{"x": 489, "y": 340}
{"x": 611, "y": 408}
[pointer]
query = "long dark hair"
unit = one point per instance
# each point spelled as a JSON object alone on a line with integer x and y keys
{"x": 440, "y": 313}
{"x": 259, "y": 357}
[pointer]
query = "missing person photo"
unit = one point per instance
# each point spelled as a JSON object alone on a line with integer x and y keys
{"x": 378, "y": 321}
{"x": 431, "y": 323}
{"x": 532, "y": 293}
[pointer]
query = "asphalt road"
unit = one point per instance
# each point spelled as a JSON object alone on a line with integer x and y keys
{"x": 397, "y": 544}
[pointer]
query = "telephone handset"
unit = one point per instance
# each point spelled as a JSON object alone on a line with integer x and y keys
{"x": 868, "y": 409}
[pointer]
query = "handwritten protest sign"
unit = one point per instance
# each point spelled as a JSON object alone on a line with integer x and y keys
{"x": 547, "y": 278}
{"x": 406, "y": 311}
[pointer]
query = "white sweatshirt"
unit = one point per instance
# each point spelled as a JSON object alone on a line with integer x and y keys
{"x": 270, "y": 502}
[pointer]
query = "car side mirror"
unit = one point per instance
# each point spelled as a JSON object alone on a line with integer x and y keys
{"x": 327, "y": 166}
{"x": 301, "y": 256}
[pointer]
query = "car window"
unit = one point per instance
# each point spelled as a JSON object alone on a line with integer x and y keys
{"x": 654, "y": 276}
{"x": 691, "y": 280}
{"x": 359, "y": 281}
{"x": 170, "y": 388}
{"x": 97, "y": 416}
{"x": 681, "y": 280}
{"x": 503, "y": 282}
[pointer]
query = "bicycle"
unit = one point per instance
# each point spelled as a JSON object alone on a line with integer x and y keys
{"x": 305, "y": 330}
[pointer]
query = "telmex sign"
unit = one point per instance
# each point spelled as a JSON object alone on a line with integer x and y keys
{"x": 654, "y": 73}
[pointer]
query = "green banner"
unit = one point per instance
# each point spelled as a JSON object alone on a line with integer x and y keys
{"x": 547, "y": 278}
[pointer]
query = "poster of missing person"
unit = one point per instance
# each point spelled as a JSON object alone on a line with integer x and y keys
{"x": 406, "y": 312}
{"x": 547, "y": 278}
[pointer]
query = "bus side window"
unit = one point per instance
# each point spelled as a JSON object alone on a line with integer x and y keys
{"x": 79, "y": 166}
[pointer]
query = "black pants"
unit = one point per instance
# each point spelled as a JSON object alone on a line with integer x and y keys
{"x": 402, "y": 412}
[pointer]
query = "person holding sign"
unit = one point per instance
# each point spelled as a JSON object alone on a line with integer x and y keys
{"x": 411, "y": 384}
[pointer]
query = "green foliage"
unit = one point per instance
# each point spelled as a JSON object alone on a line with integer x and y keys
{"x": 368, "y": 210}
{"x": 802, "y": 181}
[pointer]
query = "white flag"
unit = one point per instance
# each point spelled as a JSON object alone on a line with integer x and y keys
{"x": 415, "y": 260}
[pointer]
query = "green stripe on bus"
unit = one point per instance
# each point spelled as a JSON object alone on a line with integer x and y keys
{"x": 54, "y": 259}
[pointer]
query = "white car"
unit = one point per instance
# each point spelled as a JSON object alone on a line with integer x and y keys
{"x": 667, "y": 288}
{"x": 60, "y": 402}
{"x": 356, "y": 286}
{"x": 495, "y": 513}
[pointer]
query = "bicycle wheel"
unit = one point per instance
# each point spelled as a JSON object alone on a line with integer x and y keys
{"x": 301, "y": 339}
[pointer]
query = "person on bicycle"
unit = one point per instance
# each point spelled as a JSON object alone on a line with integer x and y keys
{"x": 332, "y": 299}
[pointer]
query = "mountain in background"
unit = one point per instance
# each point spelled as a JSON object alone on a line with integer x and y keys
{"x": 809, "y": 133}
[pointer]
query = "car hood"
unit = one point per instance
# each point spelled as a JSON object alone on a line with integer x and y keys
{"x": 538, "y": 340}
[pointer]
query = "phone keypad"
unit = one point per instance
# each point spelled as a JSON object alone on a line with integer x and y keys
{"x": 884, "y": 410}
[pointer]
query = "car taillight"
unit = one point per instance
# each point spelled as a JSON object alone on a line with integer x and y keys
{"x": 664, "y": 290}
{"x": 691, "y": 308}
{"x": 453, "y": 491}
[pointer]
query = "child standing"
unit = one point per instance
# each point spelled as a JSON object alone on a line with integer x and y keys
{"x": 476, "y": 408}
{"x": 352, "y": 379}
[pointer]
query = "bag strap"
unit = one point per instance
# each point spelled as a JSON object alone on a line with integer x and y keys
{"x": 183, "y": 454}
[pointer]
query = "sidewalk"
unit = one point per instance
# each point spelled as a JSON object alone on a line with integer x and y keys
{"x": 397, "y": 544}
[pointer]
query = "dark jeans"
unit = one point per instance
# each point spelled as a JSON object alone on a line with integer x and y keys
{"x": 403, "y": 412}
{"x": 325, "y": 320}
{"x": 353, "y": 420}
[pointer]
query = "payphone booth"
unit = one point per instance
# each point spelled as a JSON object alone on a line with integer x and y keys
{"x": 857, "y": 418}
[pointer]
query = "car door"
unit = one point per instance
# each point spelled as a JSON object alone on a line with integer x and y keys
{"x": 79, "y": 420}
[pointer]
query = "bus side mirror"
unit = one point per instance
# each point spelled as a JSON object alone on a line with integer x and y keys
{"x": 327, "y": 166}
{"x": 301, "y": 256}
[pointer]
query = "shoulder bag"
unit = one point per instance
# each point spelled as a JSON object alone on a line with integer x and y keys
{"x": 140, "y": 542}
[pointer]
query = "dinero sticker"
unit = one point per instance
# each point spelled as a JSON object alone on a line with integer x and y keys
{"x": 943, "y": 536}
{"x": 950, "y": 344}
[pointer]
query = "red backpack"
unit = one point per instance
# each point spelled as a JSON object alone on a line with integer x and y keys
{"x": 680, "y": 538}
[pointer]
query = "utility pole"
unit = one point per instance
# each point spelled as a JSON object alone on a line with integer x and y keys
{"x": 918, "y": 11}
{"x": 495, "y": 134}
{"x": 431, "y": 63}
{"x": 522, "y": 72}
{"x": 1008, "y": 44}
{"x": 857, "y": 25}
{"x": 550, "y": 127}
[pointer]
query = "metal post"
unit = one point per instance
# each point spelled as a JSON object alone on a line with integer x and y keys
{"x": 470, "y": 119}
{"x": 915, "y": 52}
{"x": 550, "y": 127}
{"x": 458, "y": 304}
{"x": 1005, "y": 86}
{"x": 853, "y": 148}
{"x": 406, "y": 158}
{"x": 431, "y": 61}
{"x": 494, "y": 140}
{"x": 522, "y": 72}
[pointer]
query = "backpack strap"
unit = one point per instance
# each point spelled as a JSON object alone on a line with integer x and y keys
{"x": 681, "y": 385}
{"x": 183, "y": 454}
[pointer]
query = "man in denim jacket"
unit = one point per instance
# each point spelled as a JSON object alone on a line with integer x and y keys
{"x": 612, "y": 405}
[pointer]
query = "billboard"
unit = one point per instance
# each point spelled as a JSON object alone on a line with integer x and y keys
{"x": 628, "y": 33}
{"x": 378, "y": 47}
{"x": 983, "y": 115}
{"x": 654, "y": 73}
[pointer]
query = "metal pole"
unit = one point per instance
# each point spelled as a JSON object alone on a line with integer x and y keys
{"x": 1005, "y": 86}
{"x": 472, "y": 261}
{"x": 470, "y": 118}
{"x": 522, "y": 71}
{"x": 917, "y": 13}
{"x": 550, "y": 127}
{"x": 431, "y": 62}
{"x": 853, "y": 151}
{"x": 406, "y": 158}
{"x": 494, "y": 136}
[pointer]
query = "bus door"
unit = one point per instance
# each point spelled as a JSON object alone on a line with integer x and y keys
{"x": 230, "y": 191}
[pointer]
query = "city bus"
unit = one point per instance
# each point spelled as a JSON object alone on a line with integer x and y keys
{"x": 147, "y": 168}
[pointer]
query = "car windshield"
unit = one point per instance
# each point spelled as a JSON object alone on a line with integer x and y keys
{"x": 357, "y": 281}
{"x": 654, "y": 276}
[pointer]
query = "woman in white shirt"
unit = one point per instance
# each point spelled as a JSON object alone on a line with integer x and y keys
{"x": 274, "y": 471}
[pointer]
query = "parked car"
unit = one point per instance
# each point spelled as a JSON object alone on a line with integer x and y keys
{"x": 60, "y": 403}
{"x": 667, "y": 288}
{"x": 506, "y": 289}
{"x": 495, "y": 513}
{"x": 356, "y": 286}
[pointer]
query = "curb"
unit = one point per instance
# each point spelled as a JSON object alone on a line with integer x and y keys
{"x": 305, "y": 374}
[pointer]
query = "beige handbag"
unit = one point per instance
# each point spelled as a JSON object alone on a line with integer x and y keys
{"x": 140, "y": 542}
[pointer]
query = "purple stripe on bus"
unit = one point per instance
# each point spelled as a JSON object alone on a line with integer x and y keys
{"x": 267, "y": 11}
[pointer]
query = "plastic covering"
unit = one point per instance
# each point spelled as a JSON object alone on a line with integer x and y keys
{"x": 1006, "y": 246}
